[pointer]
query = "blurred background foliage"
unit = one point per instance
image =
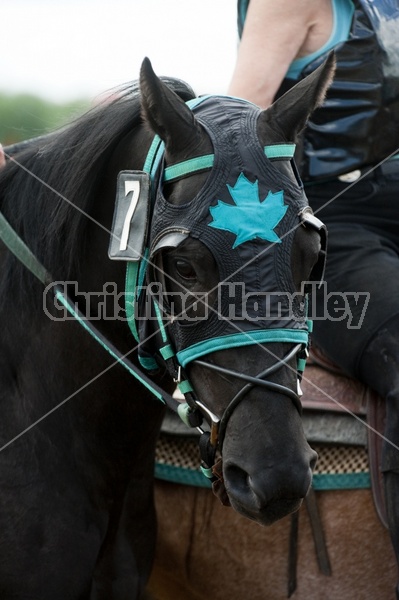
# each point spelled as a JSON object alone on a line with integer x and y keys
{"x": 25, "y": 116}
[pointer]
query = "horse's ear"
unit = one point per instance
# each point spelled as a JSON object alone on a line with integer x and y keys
{"x": 288, "y": 115}
{"x": 166, "y": 113}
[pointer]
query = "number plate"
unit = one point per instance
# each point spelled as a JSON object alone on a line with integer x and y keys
{"x": 130, "y": 223}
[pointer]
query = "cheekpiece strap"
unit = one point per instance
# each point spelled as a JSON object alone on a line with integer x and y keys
{"x": 154, "y": 156}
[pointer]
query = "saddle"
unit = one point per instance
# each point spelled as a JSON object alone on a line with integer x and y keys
{"x": 361, "y": 414}
{"x": 337, "y": 410}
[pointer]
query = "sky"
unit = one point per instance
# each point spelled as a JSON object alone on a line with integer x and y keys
{"x": 62, "y": 50}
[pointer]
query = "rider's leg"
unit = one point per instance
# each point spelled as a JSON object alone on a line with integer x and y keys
{"x": 363, "y": 260}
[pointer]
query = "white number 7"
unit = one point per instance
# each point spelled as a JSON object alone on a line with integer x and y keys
{"x": 130, "y": 186}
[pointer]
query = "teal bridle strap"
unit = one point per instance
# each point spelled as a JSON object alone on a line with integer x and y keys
{"x": 135, "y": 273}
{"x": 273, "y": 152}
{"x": 280, "y": 151}
{"x": 116, "y": 354}
{"x": 239, "y": 339}
{"x": 202, "y": 163}
{"x": 21, "y": 251}
{"x": 188, "y": 167}
{"x": 135, "y": 270}
{"x": 154, "y": 156}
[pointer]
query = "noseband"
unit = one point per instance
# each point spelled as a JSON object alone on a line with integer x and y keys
{"x": 259, "y": 381}
{"x": 213, "y": 440}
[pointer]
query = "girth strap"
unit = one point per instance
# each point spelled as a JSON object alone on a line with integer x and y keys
{"x": 320, "y": 545}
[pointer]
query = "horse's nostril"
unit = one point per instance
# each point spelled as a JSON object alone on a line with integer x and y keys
{"x": 264, "y": 487}
{"x": 238, "y": 478}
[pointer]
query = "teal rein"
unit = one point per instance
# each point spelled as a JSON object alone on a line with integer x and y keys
{"x": 23, "y": 253}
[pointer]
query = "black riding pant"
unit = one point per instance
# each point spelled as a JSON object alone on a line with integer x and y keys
{"x": 356, "y": 321}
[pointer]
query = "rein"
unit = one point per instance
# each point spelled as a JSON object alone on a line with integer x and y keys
{"x": 21, "y": 251}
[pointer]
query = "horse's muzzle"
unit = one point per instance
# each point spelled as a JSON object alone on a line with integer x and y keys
{"x": 269, "y": 494}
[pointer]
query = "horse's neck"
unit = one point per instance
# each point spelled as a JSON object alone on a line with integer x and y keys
{"x": 98, "y": 275}
{"x": 24, "y": 318}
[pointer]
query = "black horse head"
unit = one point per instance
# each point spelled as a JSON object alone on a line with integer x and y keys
{"x": 231, "y": 245}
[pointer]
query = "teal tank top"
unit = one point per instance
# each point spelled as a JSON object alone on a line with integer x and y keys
{"x": 357, "y": 126}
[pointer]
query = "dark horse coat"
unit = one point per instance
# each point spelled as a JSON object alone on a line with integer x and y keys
{"x": 77, "y": 431}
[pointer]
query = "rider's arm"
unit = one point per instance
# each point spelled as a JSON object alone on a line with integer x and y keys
{"x": 274, "y": 34}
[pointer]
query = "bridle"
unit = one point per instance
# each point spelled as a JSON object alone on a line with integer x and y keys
{"x": 192, "y": 411}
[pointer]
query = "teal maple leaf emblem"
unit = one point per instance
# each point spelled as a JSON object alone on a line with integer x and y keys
{"x": 249, "y": 217}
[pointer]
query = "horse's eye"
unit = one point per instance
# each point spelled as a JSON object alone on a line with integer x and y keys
{"x": 185, "y": 270}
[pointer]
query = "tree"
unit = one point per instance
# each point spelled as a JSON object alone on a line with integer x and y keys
{"x": 25, "y": 116}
